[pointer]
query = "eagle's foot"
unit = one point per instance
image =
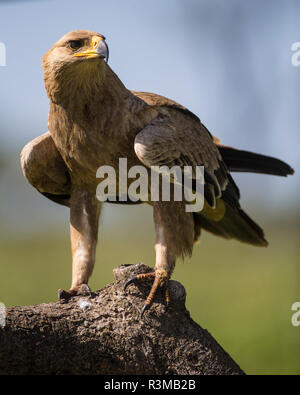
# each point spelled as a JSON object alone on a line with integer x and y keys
{"x": 160, "y": 278}
{"x": 79, "y": 290}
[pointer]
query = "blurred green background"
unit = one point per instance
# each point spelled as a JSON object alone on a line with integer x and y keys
{"x": 230, "y": 63}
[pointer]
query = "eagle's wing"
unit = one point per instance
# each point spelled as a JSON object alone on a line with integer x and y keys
{"x": 235, "y": 159}
{"x": 45, "y": 169}
{"x": 183, "y": 142}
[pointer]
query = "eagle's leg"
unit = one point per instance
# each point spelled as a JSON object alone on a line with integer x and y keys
{"x": 84, "y": 218}
{"x": 174, "y": 238}
{"x": 164, "y": 265}
{"x": 144, "y": 277}
{"x": 158, "y": 278}
{"x": 161, "y": 278}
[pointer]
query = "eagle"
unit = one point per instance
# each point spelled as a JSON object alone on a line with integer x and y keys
{"x": 93, "y": 121}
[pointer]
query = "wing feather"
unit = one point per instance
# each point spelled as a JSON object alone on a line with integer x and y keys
{"x": 174, "y": 142}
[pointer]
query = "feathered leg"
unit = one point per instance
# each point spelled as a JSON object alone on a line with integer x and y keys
{"x": 84, "y": 217}
{"x": 174, "y": 230}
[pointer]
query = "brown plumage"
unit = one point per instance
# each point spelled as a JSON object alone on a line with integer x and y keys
{"x": 94, "y": 120}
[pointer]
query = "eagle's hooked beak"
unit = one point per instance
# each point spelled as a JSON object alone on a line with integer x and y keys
{"x": 98, "y": 49}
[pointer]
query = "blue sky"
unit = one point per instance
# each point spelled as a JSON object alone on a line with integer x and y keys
{"x": 226, "y": 63}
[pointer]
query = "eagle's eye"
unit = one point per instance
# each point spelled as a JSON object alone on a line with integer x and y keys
{"x": 75, "y": 44}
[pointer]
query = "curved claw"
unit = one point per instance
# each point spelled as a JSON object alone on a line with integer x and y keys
{"x": 140, "y": 278}
{"x": 82, "y": 289}
{"x": 145, "y": 307}
{"x": 167, "y": 298}
{"x": 61, "y": 294}
{"x": 160, "y": 278}
{"x": 130, "y": 281}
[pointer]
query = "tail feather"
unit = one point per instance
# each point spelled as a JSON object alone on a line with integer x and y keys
{"x": 235, "y": 224}
{"x": 245, "y": 161}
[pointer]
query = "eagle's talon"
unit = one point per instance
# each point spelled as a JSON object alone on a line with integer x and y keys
{"x": 139, "y": 278}
{"x": 132, "y": 280}
{"x": 62, "y": 295}
{"x": 84, "y": 290}
{"x": 80, "y": 290}
{"x": 160, "y": 278}
{"x": 145, "y": 307}
{"x": 167, "y": 298}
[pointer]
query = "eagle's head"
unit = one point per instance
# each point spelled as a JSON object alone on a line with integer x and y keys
{"x": 77, "y": 60}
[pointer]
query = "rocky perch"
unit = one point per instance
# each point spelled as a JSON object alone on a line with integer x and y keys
{"x": 104, "y": 334}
